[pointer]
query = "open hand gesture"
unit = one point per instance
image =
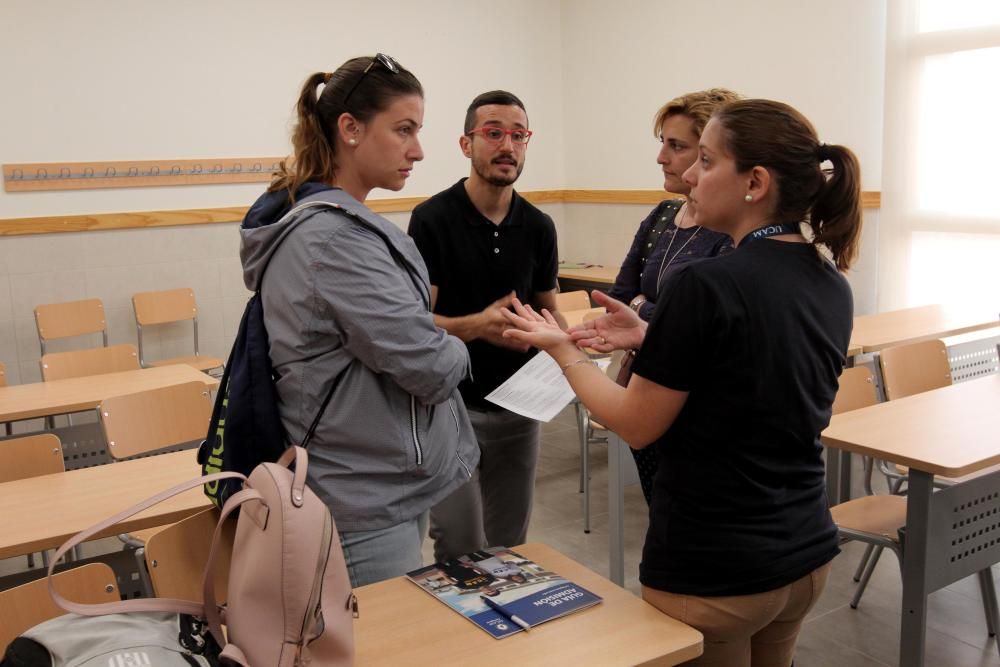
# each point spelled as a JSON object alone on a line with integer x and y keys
{"x": 619, "y": 329}
{"x": 539, "y": 330}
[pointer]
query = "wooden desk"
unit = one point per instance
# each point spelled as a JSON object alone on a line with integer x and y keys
{"x": 44, "y": 399}
{"x": 43, "y": 512}
{"x": 595, "y": 277}
{"x": 595, "y": 274}
{"x": 874, "y": 332}
{"x": 399, "y": 624}
{"x": 950, "y": 533}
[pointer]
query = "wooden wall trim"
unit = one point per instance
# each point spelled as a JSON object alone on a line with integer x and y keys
{"x": 871, "y": 199}
{"x": 203, "y": 216}
{"x": 137, "y": 173}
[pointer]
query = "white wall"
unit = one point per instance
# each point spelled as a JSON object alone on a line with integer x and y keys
{"x": 117, "y": 80}
{"x": 623, "y": 60}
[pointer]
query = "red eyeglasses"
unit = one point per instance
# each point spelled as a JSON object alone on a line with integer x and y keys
{"x": 495, "y": 135}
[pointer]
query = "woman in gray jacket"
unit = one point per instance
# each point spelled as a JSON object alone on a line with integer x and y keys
{"x": 346, "y": 305}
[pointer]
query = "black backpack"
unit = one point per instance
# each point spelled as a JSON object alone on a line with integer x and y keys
{"x": 246, "y": 429}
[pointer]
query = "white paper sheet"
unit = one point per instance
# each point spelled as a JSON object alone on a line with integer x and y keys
{"x": 538, "y": 390}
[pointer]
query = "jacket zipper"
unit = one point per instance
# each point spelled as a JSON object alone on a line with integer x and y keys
{"x": 314, "y": 608}
{"x": 458, "y": 429}
{"x": 451, "y": 406}
{"x": 413, "y": 430}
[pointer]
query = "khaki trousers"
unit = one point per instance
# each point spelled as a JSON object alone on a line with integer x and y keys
{"x": 757, "y": 630}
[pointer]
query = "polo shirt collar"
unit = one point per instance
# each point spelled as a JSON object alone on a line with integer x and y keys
{"x": 477, "y": 219}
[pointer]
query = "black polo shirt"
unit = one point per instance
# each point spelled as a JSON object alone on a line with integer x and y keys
{"x": 473, "y": 262}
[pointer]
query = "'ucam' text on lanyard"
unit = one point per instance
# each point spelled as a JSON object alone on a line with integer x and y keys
{"x": 770, "y": 230}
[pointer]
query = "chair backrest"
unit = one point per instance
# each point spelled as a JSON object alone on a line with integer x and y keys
{"x": 71, "y": 318}
{"x": 95, "y": 361}
{"x": 914, "y": 368}
{"x": 176, "y": 557}
{"x": 165, "y": 306}
{"x": 28, "y": 605}
{"x": 151, "y": 420}
{"x": 857, "y": 390}
{"x": 3, "y": 375}
{"x": 575, "y": 317}
{"x": 30, "y": 456}
{"x": 577, "y": 300}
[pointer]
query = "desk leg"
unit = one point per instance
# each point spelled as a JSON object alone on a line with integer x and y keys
{"x": 845, "y": 476}
{"x": 581, "y": 427}
{"x": 833, "y": 458}
{"x": 616, "y": 508}
{"x": 838, "y": 476}
{"x": 915, "y": 587}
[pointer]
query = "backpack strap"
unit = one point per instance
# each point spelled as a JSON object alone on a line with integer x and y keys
{"x": 213, "y": 615}
{"x": 360, "y": 218}
{"x": 137, "y": 605}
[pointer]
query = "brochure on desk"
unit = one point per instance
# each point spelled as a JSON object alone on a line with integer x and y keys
{"x": 522, "y": 587}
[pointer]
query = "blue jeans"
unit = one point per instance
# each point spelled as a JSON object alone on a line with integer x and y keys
{"x": 376, "y": 555}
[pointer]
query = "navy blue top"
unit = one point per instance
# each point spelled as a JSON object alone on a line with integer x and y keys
{"x": 640, "y": 276}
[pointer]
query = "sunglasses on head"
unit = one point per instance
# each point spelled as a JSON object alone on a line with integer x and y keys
{"x": 380, "y": 59}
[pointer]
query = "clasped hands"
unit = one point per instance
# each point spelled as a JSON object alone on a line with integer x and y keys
{"x": 492, "y": 324}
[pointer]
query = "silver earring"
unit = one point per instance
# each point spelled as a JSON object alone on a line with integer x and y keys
{"x": 352, "y": 141}
{"x": 748, "y": 198}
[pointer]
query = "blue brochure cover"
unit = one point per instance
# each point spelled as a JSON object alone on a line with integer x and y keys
{"x": 523, "y": 588}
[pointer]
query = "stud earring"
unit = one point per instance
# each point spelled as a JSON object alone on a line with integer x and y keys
{"x": 352, "y": 141}
{"x": 748, "y": 198}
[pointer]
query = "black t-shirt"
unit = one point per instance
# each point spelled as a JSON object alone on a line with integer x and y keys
{"x": 758, "y": 337}
{"x": 474, "y": 262}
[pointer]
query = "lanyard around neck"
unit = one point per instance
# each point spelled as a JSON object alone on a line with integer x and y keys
{"x": 770, "y": 230}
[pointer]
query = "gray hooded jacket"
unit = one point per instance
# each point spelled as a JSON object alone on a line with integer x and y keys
{"x": 350, "y": 297}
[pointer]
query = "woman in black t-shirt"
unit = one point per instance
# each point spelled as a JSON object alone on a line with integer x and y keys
{"x": 734, "y": 382}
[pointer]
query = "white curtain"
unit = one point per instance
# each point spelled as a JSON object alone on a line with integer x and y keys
{"x": 939, "y": 236}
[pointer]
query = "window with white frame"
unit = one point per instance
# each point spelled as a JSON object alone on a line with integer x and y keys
{"x": 940, "y": 235}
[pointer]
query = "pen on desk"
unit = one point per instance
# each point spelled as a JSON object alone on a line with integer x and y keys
{"x": 499, "y": 608}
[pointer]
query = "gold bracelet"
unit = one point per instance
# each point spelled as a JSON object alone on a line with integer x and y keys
{"x": 574, "y": 363}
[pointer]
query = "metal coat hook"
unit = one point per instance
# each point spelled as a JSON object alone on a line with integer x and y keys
{"x": 136, "y": 173}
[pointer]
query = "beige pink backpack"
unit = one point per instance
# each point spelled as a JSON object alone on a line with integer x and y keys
{"x": 290, "y": 600}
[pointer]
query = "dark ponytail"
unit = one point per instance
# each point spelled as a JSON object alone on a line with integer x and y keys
{"x": 775, "y": 136}
{"x": 314, "y": 139}
{"x": 836, "y": 214}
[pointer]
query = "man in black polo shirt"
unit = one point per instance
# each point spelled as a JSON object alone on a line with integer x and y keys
{"x": 484, "y": 244}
